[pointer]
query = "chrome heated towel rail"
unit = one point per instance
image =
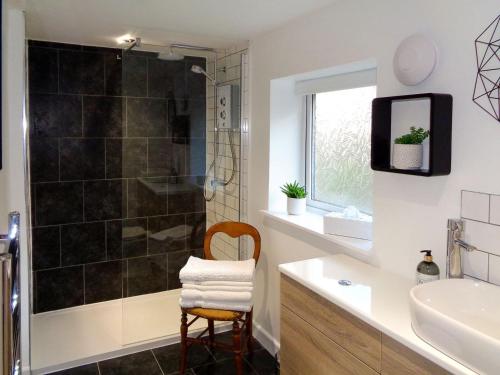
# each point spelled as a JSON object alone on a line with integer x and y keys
{"x": 11, "y": 312}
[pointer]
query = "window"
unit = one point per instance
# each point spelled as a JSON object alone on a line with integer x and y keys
{"x": 338, "y": 172}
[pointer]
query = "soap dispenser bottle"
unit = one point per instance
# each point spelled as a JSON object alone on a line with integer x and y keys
{"x": 427, "y": 270}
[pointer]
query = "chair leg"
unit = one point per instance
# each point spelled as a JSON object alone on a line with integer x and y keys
{"x": 211, "y": 332}
{"x": 249, "y": 331}
{"x": 238, "y": 358}
{"x": 184, "y": 330}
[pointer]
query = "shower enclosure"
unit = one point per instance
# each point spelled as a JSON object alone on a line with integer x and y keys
{"x": 128, "y": 166}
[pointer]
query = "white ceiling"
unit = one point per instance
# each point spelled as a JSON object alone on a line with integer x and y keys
{"x": 214, "y": 23}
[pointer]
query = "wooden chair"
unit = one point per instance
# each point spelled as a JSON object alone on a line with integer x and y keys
{"x": 233, "y": 229}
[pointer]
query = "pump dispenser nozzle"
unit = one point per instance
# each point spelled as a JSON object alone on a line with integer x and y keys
{"x": 428, "y": 255}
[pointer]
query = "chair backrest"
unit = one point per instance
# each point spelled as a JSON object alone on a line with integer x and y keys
{"x": 233, "y": 229}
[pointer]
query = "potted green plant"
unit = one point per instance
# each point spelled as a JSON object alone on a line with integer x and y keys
{"x": 408, "y": 150}
{"x": 296, "y": 198}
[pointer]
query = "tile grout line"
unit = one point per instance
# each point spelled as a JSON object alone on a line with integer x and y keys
{"x": 82, "y": 116}
{"x": 156, "y": 359}
{"x": 127, "y": 278}
{"x": 106, "y": 240}
{"x": 123, "y": 178}
{"x": 127, "y": 201}
{"x": 480, "y": 222}
{"x": 118, "y": 219}
{"x": 104, "y": 75}
{"x": 105, "y": 159}
{"x": 83, "y": 202}
{"x": 83, "y": 271}
{"x": 60, "y": 246}
{"x": 489, "y": 208}
{"x": 68, "y": 93}
{"x": 58, "y": 58}
{"x": 488, "y": 270}
{"x": 59, "y": 158}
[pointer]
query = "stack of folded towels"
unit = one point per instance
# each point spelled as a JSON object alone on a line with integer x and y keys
{"x": 217, "y": 284}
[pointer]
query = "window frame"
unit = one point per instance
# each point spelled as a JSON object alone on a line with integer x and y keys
{"x": 310, "y": 106}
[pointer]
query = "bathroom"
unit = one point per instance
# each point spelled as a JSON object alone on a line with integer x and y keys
{"x": 116, "y": 156}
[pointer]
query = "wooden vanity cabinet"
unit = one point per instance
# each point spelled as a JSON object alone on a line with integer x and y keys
{"x": 320, "y": 338}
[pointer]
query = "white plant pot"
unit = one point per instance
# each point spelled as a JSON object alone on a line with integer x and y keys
{"x": 296, "y": 206}
{"x": 407, "y": 156}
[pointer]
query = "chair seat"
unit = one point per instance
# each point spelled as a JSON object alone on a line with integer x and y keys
{"x": 213, "y": 314}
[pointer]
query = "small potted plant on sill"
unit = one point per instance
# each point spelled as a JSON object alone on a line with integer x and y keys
{"x": 408, "y": 150}
{"x": 296, "y": 198}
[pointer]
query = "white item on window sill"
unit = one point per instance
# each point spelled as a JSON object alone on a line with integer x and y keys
{"x": 296, "y": 206}
{"x": 349, "y": 223}
{"x": 407, "y": 156}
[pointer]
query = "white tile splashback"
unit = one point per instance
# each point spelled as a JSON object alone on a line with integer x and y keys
{"x": 481, "y": 214}
{"x": 495, "y": 209}
{"x": 494, "y": 269}
{"x": 475, "y": 263}
{"x": 475, "y": 206}
{"x": 484, "y": 236}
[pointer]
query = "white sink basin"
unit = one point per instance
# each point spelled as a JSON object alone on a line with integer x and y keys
{"x": 461, "y": 318}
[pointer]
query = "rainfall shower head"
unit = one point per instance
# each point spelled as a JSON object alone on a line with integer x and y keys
{"x": 170, "y": 55}
{"x": 199, "y": 70}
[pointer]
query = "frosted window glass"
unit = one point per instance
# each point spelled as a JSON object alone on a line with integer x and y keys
{"x": 341, "y": 173}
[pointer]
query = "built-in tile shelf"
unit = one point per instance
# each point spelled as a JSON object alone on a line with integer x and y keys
{"x": 481, "y": 213}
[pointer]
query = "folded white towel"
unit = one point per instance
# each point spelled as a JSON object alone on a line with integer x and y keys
{"x": 227, "y": 288}
{"x": 239, "y": 284}
{"x": 197, "y": 269}
{"x": 219, "y": 296}
{"x": 245, "y": 307}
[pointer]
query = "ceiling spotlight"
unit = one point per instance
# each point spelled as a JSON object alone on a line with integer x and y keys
{"x": 125, "y": 39}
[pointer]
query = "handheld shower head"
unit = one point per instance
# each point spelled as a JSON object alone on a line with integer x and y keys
{"x": 199, "y": 70}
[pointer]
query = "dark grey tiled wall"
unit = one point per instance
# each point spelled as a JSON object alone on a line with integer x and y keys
{"x": 117, "y": 149}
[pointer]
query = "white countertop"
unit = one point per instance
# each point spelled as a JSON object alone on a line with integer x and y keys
{"x": 377, "y": 297}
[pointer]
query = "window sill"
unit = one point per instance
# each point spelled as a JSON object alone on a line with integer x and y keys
{"x": 309, "y": 228}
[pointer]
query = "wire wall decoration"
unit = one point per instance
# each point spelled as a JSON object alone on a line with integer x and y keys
{"x": 487, "y": 87}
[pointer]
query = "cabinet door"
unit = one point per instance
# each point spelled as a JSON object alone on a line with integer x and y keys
{"x": 305, "y": 350}
{"x": 397, "y": 359}
{"x": 354, "y": 335}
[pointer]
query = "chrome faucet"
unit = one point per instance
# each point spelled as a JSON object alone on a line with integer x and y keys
{"x": 454, "y": 268}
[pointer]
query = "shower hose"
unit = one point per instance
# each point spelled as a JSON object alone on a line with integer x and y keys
{"x": 210, "y": 195}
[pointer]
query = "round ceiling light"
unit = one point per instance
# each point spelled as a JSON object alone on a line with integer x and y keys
{"x": 415, "y": 59}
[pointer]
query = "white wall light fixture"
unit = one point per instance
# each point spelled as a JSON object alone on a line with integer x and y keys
{"x": 415, "y": 59}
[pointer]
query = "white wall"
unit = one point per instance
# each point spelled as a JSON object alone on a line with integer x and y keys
{"x": 286, "y": 134}
{"x": 410, "y": 212}
{"x": 12, "y": 186}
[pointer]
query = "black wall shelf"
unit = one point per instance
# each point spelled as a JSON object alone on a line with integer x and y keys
{"x": 441, "y": 106}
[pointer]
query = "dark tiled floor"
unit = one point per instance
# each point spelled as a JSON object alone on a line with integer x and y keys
{"x": 165, "y": 361}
